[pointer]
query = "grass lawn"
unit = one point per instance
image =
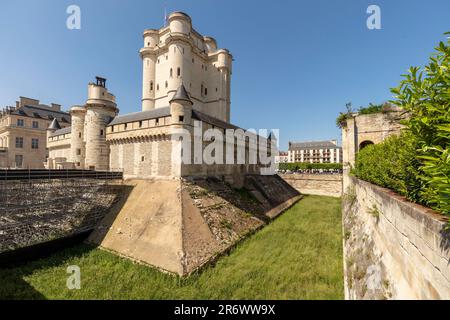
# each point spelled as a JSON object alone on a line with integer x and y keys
{"x": 298, "y": 256}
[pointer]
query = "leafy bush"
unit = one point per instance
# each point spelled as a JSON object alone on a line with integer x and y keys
{"x": 341, "y": 120}
{"x": 309, "y": 166}
{"x": 425, "y": 94}
{"x": 392, "y": 164}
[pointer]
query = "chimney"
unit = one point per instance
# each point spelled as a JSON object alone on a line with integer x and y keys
{"x": 56, "y": 107}
{"x": 17, "y": 104}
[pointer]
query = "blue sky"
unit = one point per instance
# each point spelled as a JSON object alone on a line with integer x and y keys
{"x": 296, "y": 62}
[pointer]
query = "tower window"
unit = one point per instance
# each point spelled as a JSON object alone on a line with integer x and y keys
{"x": 171, "y": 72}
{"x": 78, "y": 152}
{"x": 167, "y": 84}
{"x": 156, "y": 121}
{"x": 125, "y": 126}
{"x": 148, "y": 44}
{"x": 151, "y": 85}
{"x": 206, "y": 91}
{"x": 140, "y": 124}
{"x": 79, "y": 134}
{"x": 167, "y": 57}
{"x": 142, "y": 159}
{"x": 157, "y": 87}
{"x": 193, "y": 60}
{"x": 112, "y": 129}
{"x": 178, "y": 71}
{"x": 101, "y": 132}
{"x": 181, "y": 119}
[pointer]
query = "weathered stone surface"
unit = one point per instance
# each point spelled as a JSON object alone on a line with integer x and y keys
{"x": 37, "y": 211}
{"x": 318, "y": 184}
{"x": 179, "y": 225}
{"x": 401, "y": 245}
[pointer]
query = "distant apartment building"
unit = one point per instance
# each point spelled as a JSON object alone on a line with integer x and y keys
{"x": 282, "y": 157}
{"x": 315, "y": 152}
{"x": 23, "y": 130}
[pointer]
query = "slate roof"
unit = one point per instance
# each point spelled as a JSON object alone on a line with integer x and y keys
{"x": 54, "y": 125}
{"x": 143, "y": 115}
{"x": 311, "y": 145}
{"x": 181, "y": 94}
{"x": 42, "y": 113}
{"x": 212, "y": 120}
{"x": 61, "y": 131}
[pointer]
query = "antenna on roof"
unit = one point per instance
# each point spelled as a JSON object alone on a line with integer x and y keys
{"x": 165, "y": 14}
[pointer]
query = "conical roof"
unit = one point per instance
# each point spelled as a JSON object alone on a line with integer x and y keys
{"x": 181, "y": 94}
{"x": 54, "y": 125}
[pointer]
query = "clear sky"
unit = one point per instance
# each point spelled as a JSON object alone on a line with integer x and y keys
{"x": 296, "y": 62}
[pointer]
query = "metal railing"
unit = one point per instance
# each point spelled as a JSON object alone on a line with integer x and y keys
{"x": 36, "y": 174}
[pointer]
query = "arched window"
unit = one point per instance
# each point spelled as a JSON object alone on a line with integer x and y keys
{"x": 364, "y": 144}
{"x": 178, "y": 72}
{"x": 171, "y": 72}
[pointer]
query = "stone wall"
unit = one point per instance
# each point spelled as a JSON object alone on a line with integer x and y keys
{"x": 37, "y": 211}
{"x": 368, "y": 129}
{"x": 393, "y": 249}
{"x": 318, "y": 184}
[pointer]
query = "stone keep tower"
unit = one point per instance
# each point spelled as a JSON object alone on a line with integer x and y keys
{"x": 101, "y": 108}
{"x": 177, "y": 54}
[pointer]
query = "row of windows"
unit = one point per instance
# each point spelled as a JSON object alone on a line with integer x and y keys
{"x": 203, "y": 89}
{"x": 21, "y": 123}
{"x": 34, "y": 143}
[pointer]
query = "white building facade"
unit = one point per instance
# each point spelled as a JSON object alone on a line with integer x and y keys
{"x": 315, "y": 152}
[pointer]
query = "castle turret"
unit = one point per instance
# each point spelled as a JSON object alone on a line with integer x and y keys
{"x": 78, "y": 150}
{"x": 53, "y": 127}
{"x": 181, "y": 107}
{"x": 101, "y": 108}
{"x": 148, "y": 55}
{"x": 224, "y": 62}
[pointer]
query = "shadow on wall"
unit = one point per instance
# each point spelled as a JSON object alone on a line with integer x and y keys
{"x": 445, "y": 242}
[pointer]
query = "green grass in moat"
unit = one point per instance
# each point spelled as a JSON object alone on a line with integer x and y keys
{"x": 297, "y": 256}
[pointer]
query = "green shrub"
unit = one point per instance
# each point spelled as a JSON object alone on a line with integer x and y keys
{"x": 308, "y": 166}
{"x": 425, "y": 94}
{"x": 392, "y": 164}
{"x": 341, "y": 120}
